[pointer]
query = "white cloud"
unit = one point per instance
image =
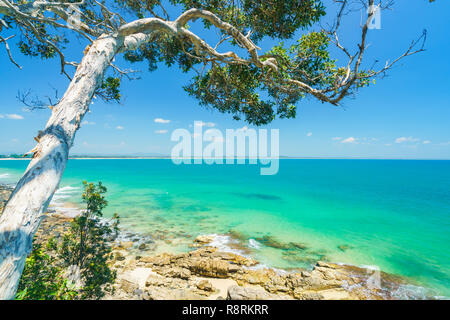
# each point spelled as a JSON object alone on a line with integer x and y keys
{"x": 12, "y": 116}
{"x": 349, "y": 140}
{"x": 87, "y": 123}
{"x": 160, "y": 131}
{"x": 309, "y": 134}
{"x": 426, "y": 142}
{"x": 205, "y": 124}
{"x": 161, "y": 120}
{"x": 406, "y": 139}
{"x": 120, "y": 128}
{"x": 336, "y": 138}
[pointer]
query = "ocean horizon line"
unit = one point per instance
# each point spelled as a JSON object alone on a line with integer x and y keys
{"x": 118, "y": 157}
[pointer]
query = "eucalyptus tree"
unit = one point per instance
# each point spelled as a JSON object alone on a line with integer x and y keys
{"x": 233, "y": 74}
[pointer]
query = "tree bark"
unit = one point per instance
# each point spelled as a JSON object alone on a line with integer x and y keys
{"x": 29, "y": 201}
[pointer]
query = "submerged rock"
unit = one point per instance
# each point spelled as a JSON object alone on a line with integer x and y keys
{"x": 344, "y": 247}
{"x": 272, "y": 242}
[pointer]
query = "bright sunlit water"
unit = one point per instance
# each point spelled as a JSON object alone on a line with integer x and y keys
{"x": 388, "y": 213}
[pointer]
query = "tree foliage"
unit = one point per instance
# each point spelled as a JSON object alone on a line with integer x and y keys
{"x": 43, "y": 278}
{"x": 246, "y": 82}
{"x": 77, "y": 267}
{"x": 86, "y": 244}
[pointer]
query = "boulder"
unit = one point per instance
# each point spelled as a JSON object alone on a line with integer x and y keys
{"x": 162, "y": 293}
{"x": 253, "y": 293}
{"x": 129, "y": 286}
{"x": 307, "y": 295}
{"x": 212, "y": 267}
{"x": 155, "y": 280}
{"x": 118, "y": 256}
{"x": 176, "y": 272}
{"x": 202, "y": 240}
{"x": 205, "y": 285}
{"x": 126, "y": 244}
{"x": 159, "y": 260}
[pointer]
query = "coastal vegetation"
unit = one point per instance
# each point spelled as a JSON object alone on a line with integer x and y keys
{"x": 232, "y": 75}
{"x": 76, "y": 264}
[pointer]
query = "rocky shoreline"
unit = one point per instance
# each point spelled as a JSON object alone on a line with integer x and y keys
{"x": 207, "y": 273}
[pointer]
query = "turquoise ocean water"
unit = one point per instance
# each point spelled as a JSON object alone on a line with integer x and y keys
{"x": 392, "y": 214}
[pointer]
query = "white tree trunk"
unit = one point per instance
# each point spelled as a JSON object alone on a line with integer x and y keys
{"x": 32, "y": 195}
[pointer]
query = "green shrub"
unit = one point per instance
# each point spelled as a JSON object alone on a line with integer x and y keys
{"x": 86, "y": 245}
{"x": 42, "y": 279}
{"x": 83, "y": 248}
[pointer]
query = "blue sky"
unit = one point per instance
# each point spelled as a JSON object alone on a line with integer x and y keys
{"x": 405, "y": 115}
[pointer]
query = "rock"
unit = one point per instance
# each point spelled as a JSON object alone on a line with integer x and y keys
{"x": 294, "y": 256}
{"x": 154, "y": 280}
{"x": 128, "y": 286}
{"x": 326, "y": 265}
{"x": 126, "y": 244}
{"x": 344, "y": 247}
{"x": 118, "y": 265}
{"x": 237, "y": 235}
{"x": 162, "y": 293}
{"x": 134, "y": 279}
{"x": 142, "y": 246}
{"x": 234, "y": 258}
{"x": 212, "y": 267}
{"x": 276, "y": 284}
{"x": 330, "y": 272}
{"x": 138, "y": 293}
{"x": 159, "y": 260}
{"x": 251, "y": 293}
{"x": 177, "y": 272}
{"x": 118, "y": 256}
{"x": 205, "y": 285}
{"x": 335, "y": 294}
{"x": 270, "y": 241}
{"x": 259, "y": 277}
{"x": 298, "y": 245}
{"x": 202, "y": 240}
{"x": 307, "y": 295}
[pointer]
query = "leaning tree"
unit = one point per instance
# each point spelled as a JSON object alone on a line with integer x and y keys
{"x": 232, "y": 74}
